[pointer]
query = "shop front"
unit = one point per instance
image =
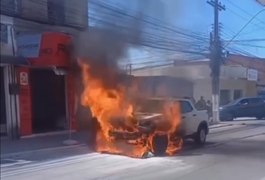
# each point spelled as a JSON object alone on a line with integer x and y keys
{"x": 46, "y": 98}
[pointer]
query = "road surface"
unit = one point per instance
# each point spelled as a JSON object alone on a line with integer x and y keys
{"x": 234, "y": 152}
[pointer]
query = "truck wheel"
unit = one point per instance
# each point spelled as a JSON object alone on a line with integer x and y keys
{"x": 200, "y": 137}
{"x": 160, "y": 143}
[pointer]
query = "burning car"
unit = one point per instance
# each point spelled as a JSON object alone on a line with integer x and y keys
{"x": 125, "y": 122}
{"x": 160, "y": 125}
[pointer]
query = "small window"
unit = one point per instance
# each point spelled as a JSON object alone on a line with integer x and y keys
{"x": 185, "y": 107}
{"x": 4, "y": 33}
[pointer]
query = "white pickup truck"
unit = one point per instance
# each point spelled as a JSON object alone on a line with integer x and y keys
{"x": 194, "y": 123}
{"x": 152, "y": 120}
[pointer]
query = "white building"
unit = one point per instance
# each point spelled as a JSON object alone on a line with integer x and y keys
{"x": 235, "y": 81}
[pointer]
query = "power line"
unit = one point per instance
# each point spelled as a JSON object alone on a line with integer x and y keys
{"x": 250, "y": 20}
{"x": 244, "y": 18}
{"x": 243, "y": 10}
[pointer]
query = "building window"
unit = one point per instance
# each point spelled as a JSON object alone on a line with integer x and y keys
{"x": 56, "y": 12}
{"x": 4, "y": 33}
{"x": 238, "y": 94}
{"x": 224, "y": 96}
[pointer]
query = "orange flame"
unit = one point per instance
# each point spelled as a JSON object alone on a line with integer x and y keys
{"x": 115, "y": 113}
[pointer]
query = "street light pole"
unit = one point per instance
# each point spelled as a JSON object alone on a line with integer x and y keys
{"x": 215, "y": 57}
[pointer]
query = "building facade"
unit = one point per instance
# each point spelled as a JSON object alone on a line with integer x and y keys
{"x": 36, "y": 64}
{"x": 236, "y": 80}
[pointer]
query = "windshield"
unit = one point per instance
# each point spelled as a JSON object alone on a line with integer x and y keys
{"x": 150, "y": 106}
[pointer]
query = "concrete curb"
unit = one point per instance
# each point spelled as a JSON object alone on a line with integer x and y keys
{"x": 214, "y": 126}
{"x": 10, "y": 155}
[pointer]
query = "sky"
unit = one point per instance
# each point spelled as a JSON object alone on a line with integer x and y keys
{"x": 197, "y": 15}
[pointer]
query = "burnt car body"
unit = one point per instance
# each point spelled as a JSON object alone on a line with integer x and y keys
{"x": 194, "y": 124}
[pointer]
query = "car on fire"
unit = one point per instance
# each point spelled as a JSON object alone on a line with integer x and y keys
{"x": 167, "y": 122}
{"x": 194, "y": 123}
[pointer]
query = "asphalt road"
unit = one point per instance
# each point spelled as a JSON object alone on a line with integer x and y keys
{"x": 235, "y": 152}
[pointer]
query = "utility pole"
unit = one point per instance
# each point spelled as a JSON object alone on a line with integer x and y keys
{"x": 215, "y": 59}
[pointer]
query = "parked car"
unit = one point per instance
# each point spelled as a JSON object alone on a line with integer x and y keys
{"x": 243, "y": 107}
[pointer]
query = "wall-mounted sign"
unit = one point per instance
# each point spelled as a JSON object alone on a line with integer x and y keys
{"x": 23, "y": 78}
{"x": 252, "y": 75}
{"x": 29, "y": 45}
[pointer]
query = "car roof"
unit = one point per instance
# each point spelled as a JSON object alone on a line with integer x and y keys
{"x": 250, "y": 98}
{"x": 167, "y": 98}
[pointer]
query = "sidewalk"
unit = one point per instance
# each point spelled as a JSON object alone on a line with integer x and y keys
{"x": 40, "y": 142}
{"x": 220, "y": 125}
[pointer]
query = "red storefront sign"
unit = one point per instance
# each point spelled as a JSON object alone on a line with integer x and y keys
{"x": 54, "y": 50}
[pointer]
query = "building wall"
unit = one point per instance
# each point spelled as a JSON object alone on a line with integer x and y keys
{"x": 34, "y": 9}
{"x": 57, "y": 12}
{"x": 252, "y": 63}
{"x": 163, "y": 86}
{"x": 233, "y": 79}
{"x": 8, "y": 45}
{"x": 37, "y": 16}
{"x": 203, "y": 88}
{"x": 193, "y": 71}
{"x": 76, "y": 12}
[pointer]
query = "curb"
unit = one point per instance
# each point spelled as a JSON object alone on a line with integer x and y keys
{"x": 219, "y": 126}
{"x": 10, "y": 155}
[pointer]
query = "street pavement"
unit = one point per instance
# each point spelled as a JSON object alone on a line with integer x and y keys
{"x": 234, "y": 150}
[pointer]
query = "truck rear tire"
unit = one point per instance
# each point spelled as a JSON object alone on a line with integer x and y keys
{"x": 200, "y": 137}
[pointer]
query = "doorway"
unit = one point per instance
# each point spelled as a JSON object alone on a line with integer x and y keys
{"x": 3, "y": 122}
{"x": 48, "y": 101}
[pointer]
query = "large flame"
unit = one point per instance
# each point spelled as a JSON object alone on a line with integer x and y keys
{"x": 114, "y": 112}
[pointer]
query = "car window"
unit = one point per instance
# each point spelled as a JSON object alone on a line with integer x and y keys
{"x": 244, "y": 102}
{"x": 185, "y": 107}
{"x": 255, "y": 100}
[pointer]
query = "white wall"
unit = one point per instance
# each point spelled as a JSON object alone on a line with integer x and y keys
{"x": 193, "y": 71}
